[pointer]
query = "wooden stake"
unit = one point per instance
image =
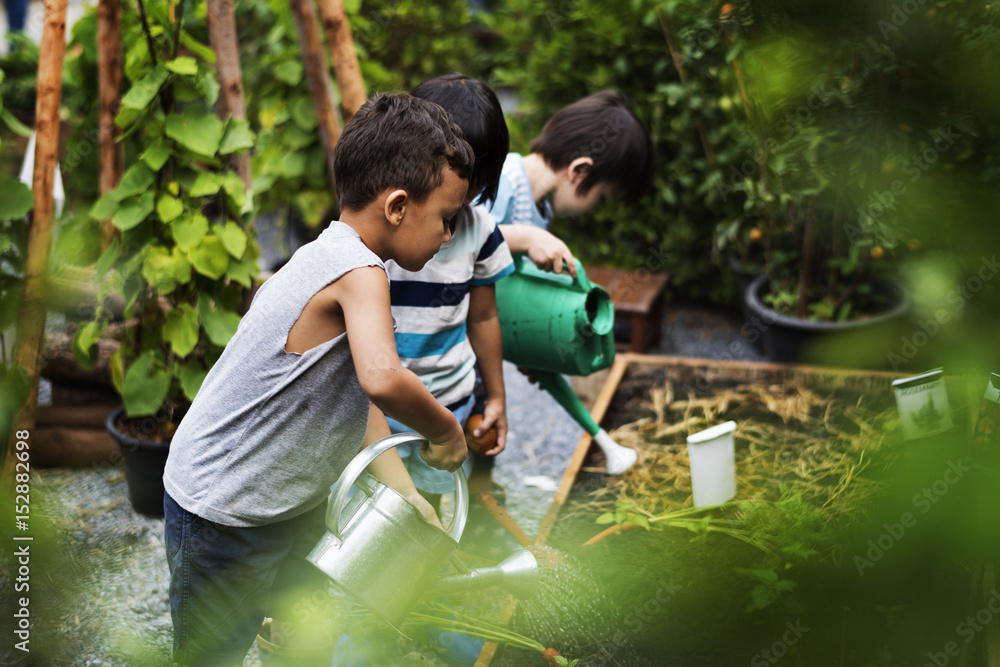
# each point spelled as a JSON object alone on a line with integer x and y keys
{"x": 345, "y": 58}
{"x": 318, "y": 76}
{"x": 31, "y": 321}
{"x": 222, "y": 36}
{"x": 109, "y": 84}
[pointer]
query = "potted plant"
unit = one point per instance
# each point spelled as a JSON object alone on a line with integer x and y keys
{"x": 832, "y": 129}
{"x": 184, "y": 258}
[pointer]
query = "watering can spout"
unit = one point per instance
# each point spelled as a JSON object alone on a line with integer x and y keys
{"x": 517, "y": 574}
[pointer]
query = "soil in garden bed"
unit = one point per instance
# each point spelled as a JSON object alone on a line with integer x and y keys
{"x": 818, "y": 568}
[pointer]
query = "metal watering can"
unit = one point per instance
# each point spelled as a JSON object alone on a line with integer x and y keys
{"x": 554, "y": 324}
{"x": 381, "y": 551}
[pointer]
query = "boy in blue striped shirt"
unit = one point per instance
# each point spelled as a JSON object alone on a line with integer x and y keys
{"x": 446, "y": 313}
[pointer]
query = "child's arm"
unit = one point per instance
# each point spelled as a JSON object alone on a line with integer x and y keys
{"x": 389, "y": 468}
{"x": 543, "y": 247}
{"x": 483, "y": 330}
{"x": 363, "y": 297}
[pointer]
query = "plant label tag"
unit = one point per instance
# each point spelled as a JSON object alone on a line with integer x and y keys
{"x": 923, "y": 404}
{"x": 989, "y": 415}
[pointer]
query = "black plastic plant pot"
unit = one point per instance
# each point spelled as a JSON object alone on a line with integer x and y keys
{"x": 865, "y": 343}
{"x": 144, "y": 462}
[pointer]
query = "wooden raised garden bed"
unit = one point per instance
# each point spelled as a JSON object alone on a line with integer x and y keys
{"x": 845, "y": 544}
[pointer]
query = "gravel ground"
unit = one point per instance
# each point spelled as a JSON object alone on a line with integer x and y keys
{"x": 98, "y": 574}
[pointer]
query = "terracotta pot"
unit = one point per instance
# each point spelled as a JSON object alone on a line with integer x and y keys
{"x": 860, "y": 343}
{"x": 144, "y": 461}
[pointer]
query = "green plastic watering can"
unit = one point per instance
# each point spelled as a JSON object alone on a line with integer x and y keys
{"x": 553, "y": 325}
{"x": 552, "y": 322}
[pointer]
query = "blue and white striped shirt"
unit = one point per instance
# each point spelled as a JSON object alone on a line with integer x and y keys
{"x": 431, "y": 306}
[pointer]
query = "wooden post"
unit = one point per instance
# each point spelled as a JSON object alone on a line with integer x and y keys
{"x": 344, "y": 57}
{"x": 222, "y": 36}
{"x": 31, "y": 321}
{"x": 109, "y": 84}
{"x": 320, "y": 85}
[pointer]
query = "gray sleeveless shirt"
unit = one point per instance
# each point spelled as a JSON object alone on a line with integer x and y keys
{"x": 269, "y": 430}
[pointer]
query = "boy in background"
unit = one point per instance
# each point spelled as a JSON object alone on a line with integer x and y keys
{"x": 301, "y": 388}
{"x": 446, "y": 313}
{"x": 591, "y": 150}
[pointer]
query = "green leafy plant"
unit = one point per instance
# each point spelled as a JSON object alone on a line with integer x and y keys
{"x": 856, "y": 128}
{"x": 553, "y": 53}
{"x": 186, "y": 256}
{"x": 289, "y": 161}
{"x": 15, "y": 203}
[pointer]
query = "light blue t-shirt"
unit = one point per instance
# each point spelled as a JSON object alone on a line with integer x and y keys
{"x": 515, "y": 202}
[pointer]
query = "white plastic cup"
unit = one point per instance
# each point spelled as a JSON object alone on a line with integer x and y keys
{"x": 713, "y": 464}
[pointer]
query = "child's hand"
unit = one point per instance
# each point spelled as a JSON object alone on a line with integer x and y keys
{"x": 426, "y": 509}
{"x": 447, "y": 453}
{"x": 549, "y": 253}
{"x": 494, "y": 417}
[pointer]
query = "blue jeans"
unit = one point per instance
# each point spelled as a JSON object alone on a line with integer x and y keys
{"x": 224, "y": 580}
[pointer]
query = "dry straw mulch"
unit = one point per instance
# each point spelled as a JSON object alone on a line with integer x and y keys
{"x": 830, "y": 448}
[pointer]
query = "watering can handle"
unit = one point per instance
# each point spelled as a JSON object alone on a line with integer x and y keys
{"x": 581, "y": 283}
{"x": 358, "y": 464}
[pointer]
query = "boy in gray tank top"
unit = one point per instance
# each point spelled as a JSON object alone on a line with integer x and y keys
{"x": 304, "y": 384}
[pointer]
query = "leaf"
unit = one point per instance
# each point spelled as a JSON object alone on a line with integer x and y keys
{"x": 197, "y": 129}
{"x": 85, "y": 349}
{"x": 17, "y": 199}
{"x": 765, "y": 576}
{"x": 108, "y": 258}
{"x": 169, "y": 208}
{"x": 238, "y": 137}
{"x": 209, "y": 257}
{"x": 194, "y": 46}
{"x": 156, "y": 154}
{"x": 183, "y": 65}
{"x": 137, "y": 180}
{"x": 234, "y": 239}
{"x": 204, "y": 185}
{"x": 180, "y": 329}
{"x": 233, "y": 185}
{"x": 16, "y": 126}
{"x": 145, "y": 385}
{"x": 304, "y": 114}
{"x": 116, "y": 365}
{"x": 164, "y": 269}
{"x": 189, "y": 230}
{"x": 133, "y": 212}
{"x": 761, "y": 597}
{"x": 607, "y": 517}
{"x": 10, "y": 308}
{"x": 192, "y": 375}
{"x": 244, "y": 271}
{"x": 142, "y": 93}
{"x": 220, "y": 324}
{"x": 289, "y": 72}
{"x": 292, "y": 165}
{"x": 15, "y": 386}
